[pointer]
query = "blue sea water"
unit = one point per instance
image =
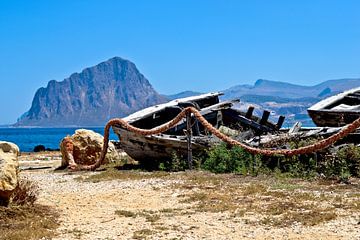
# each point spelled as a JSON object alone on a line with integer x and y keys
{"x": 28, "y": 138}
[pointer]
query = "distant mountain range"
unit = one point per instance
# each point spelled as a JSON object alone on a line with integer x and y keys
{"x": 282, "y": 98}
{"x": 287, "y": 90}
{"x": 116, "y": 88}
{"x": 182, "y": 95}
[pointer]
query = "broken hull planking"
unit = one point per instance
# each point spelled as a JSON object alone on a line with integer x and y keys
{"x": 332, "y": 118}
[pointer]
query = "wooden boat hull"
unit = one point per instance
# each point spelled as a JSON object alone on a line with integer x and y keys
{"x": 337, "y": 110}
{"x": 328, "y": 118}
{"x": 157, "y": 147}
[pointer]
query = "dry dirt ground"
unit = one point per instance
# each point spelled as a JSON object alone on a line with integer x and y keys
{"x": 113, "y": 204}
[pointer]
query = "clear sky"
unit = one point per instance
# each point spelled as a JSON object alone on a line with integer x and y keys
{"x": 201, "y": 45}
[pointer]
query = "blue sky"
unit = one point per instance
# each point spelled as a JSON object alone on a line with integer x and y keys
{"x": 202, "y": 45}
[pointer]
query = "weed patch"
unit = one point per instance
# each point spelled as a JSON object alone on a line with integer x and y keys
{"x": 27, "y": 222}
{"x": 143, "y": 233}
{"x": 23, "y": 219}
{"x": 114, "y": 174}
{"x": 149, "y": 216}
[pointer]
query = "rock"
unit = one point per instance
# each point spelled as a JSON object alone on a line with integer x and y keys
{"x": 114, "y": 88}
{"x": 9, "y": 170}
{"x": 39, "y": 148}
{"x": 85, "y": 146}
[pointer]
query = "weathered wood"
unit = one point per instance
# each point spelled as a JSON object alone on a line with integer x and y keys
{"x": 295, "y": 128}
{"x": 34, "y": 168}
{"x": 249, "y": 112}
{"x": 187, "y": 137}
{"x": 208, "y": 113}
{"x": 303, "y": 133}
{"x": 158, "y": 147}
{"x": 265, "y": 117}
{"x": 280, "y": 122}
{"x": 338, "y": 110}
{"x": 203, "y": 100}
{"x": 247, "y": 122}
{"x": 188, "y": 133}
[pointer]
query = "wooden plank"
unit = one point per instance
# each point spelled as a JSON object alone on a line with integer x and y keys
{"x": 248, "y": 122}
{"x": 249, "y": 112}
{"x": 188, "y": 133}
{"x": 280, "y": 122}
{"x": 265, "y": 117}
{"x": 352, "y": 99}
{"x": 153, "y": 109}
{"x": 205, "y": 112}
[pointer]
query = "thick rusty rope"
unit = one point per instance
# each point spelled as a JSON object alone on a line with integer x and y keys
{"x": 166, "y": 126}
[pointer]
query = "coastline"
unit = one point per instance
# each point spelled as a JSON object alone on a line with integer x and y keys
{"x": 27, "y": 138}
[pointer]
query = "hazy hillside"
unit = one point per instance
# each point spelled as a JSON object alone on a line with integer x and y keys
{"x": 182, "y": 95}
{"x": 114, "y": 88}
{"x": 287, "y": 90}
{"x": 286, "y": 99}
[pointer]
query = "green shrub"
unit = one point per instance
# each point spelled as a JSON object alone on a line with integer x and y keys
{"x": 342, "y": 163}
{"x": 224, "y": 159}
{"x": 176, "y": 163}
{"x": 350, "y": 155}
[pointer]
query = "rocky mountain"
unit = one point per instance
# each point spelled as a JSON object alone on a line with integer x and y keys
{"x": 114, "y": 88}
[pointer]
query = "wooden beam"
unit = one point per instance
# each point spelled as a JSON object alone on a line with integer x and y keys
{"x": 188, "y": 133}
{"x": 264, "y": 117}
{"x": 249, "y": 112}
{"x": 280, "y": 122}
{"x": 247, "y": 122}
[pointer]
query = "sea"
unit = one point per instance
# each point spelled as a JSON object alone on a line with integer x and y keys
{"x": 28, "y": 138}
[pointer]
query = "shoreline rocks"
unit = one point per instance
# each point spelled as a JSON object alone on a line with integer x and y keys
{"x": 9, "y": 170}
{"x": 86, "y": 148}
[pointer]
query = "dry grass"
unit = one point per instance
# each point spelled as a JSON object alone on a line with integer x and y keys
{"x": 23, "y": 219}
{"x": 143, "y": 233}
{"x": 114, "y": 174}
{"x": 27, "y": 222}
{"x": 77, "y": 233}
{"x": 150, "y": 216}
{"x": 277, "y": 202}
{"x": 25, "y": 193}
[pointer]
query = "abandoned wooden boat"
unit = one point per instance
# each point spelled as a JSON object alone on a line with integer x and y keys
{"x": 174, "y": 141}
{"x": 338, "y": 110}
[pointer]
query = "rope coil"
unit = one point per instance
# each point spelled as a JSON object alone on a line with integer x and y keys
{"x": 166, "y": 126}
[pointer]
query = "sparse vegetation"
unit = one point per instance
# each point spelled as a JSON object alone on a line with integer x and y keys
{"x": 77, "y": 233}
{"x": 278, "y": 199}
{"x": 277, "y": 202}
{"x": 150, "y": 216}
{"x": 341, "y": 162}
{"x": 110, "y": 173}
{"x": 23, "y": 218}
{"x": 143, "y": 233}
{"x": 26, "y": 193}
{"x": 224, "y": 159}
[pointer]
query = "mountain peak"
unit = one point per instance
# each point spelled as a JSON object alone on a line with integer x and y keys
{"x": 260, "y": 82}
{"x": 113, "y": 88}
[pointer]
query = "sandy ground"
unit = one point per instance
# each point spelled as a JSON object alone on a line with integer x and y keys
{"x": 88, "y": 210}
